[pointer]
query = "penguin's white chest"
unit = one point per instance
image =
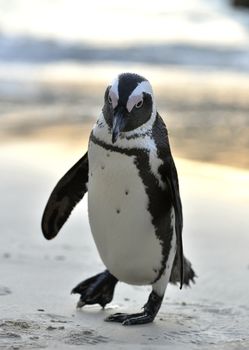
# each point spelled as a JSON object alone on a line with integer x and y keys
{"x": 119, "y": 218}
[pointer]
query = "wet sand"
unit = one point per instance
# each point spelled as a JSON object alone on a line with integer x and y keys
{"x": 36, "y": 276}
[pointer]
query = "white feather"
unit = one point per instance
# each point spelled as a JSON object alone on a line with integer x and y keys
{"x": 137, "y": 94}
{"x": 143, "y": 140}
{"x": 119, "y": 219}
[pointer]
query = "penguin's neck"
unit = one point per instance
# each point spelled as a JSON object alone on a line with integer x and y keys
{"x": 137, "y": 138}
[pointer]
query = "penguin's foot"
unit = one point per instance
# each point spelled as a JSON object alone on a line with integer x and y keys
{"x": 150, "y": 311}
{"x": 131, "y": 319}
{"x": 98, "y": 289}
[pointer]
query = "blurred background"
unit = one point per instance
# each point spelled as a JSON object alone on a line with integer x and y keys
{"x": 56, "y": 59}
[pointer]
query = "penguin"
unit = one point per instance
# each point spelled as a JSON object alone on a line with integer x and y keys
{"x": 134, "y": 204}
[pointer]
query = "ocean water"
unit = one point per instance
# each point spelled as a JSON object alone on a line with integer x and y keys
{"x": 193, "y": 33}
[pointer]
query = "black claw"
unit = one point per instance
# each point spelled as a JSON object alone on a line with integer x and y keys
{"x": 150, "y": 311}
{"x": 130, "y": 319}
{"x": 142, "y": 319}
{"x": 118, "y": 317}
{"x": 98, "y": 289}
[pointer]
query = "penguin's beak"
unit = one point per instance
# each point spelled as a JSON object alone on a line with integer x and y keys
{"x": 118, "y": 123}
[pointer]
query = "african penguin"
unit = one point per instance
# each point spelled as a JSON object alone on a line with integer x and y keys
{"x": 134, "y": 204}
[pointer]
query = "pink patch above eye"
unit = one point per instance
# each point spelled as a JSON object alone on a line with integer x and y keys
{"x": 133, "y": 100}
{"x": 113, "y": 98}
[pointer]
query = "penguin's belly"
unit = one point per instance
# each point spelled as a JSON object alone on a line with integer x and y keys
{"x": 119, "y": 218}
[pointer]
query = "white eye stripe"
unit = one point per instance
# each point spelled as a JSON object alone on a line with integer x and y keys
{"x": 137, "y": 94}
{"x": 114, "y": 87}
{"x": 134, "y": 102}
{"x": 144, "y": 86}
{"x": 113, "y": 93}
{"x": 113, "y": 98}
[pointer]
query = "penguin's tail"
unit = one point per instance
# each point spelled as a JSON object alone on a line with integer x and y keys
{"x": 189, "y": 273}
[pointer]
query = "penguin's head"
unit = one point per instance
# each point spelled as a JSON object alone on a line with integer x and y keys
{"x": 129, "y": 104}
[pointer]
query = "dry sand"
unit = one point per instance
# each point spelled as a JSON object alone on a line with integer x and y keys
{"x": 36, "y": 276}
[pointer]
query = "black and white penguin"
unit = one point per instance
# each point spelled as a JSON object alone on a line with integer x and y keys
{"x": 134, "y": 203}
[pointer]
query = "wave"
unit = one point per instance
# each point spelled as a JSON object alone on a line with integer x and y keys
{"x": 26, "y": 49}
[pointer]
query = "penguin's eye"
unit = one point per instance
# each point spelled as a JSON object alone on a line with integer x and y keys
{"x": 109, "y": 99}
{"x": 139, "y": 104}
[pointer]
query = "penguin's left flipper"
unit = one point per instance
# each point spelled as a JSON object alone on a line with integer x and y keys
{"x": 66, "y": 194}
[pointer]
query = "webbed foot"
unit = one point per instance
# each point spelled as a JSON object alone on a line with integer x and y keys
{"x": 98, "y": 289}
{"x": 150, "y": 310}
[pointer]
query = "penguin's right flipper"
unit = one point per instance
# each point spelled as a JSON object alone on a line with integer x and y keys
{"x": 98, "y": 289}
{"x": 66, "y": 194}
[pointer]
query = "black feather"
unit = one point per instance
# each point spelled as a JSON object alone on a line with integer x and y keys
{"x": 66, "y": 194}
{"x": 169, "y": 176}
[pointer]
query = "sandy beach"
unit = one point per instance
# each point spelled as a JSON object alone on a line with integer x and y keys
{"x": 36, "y": 276}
